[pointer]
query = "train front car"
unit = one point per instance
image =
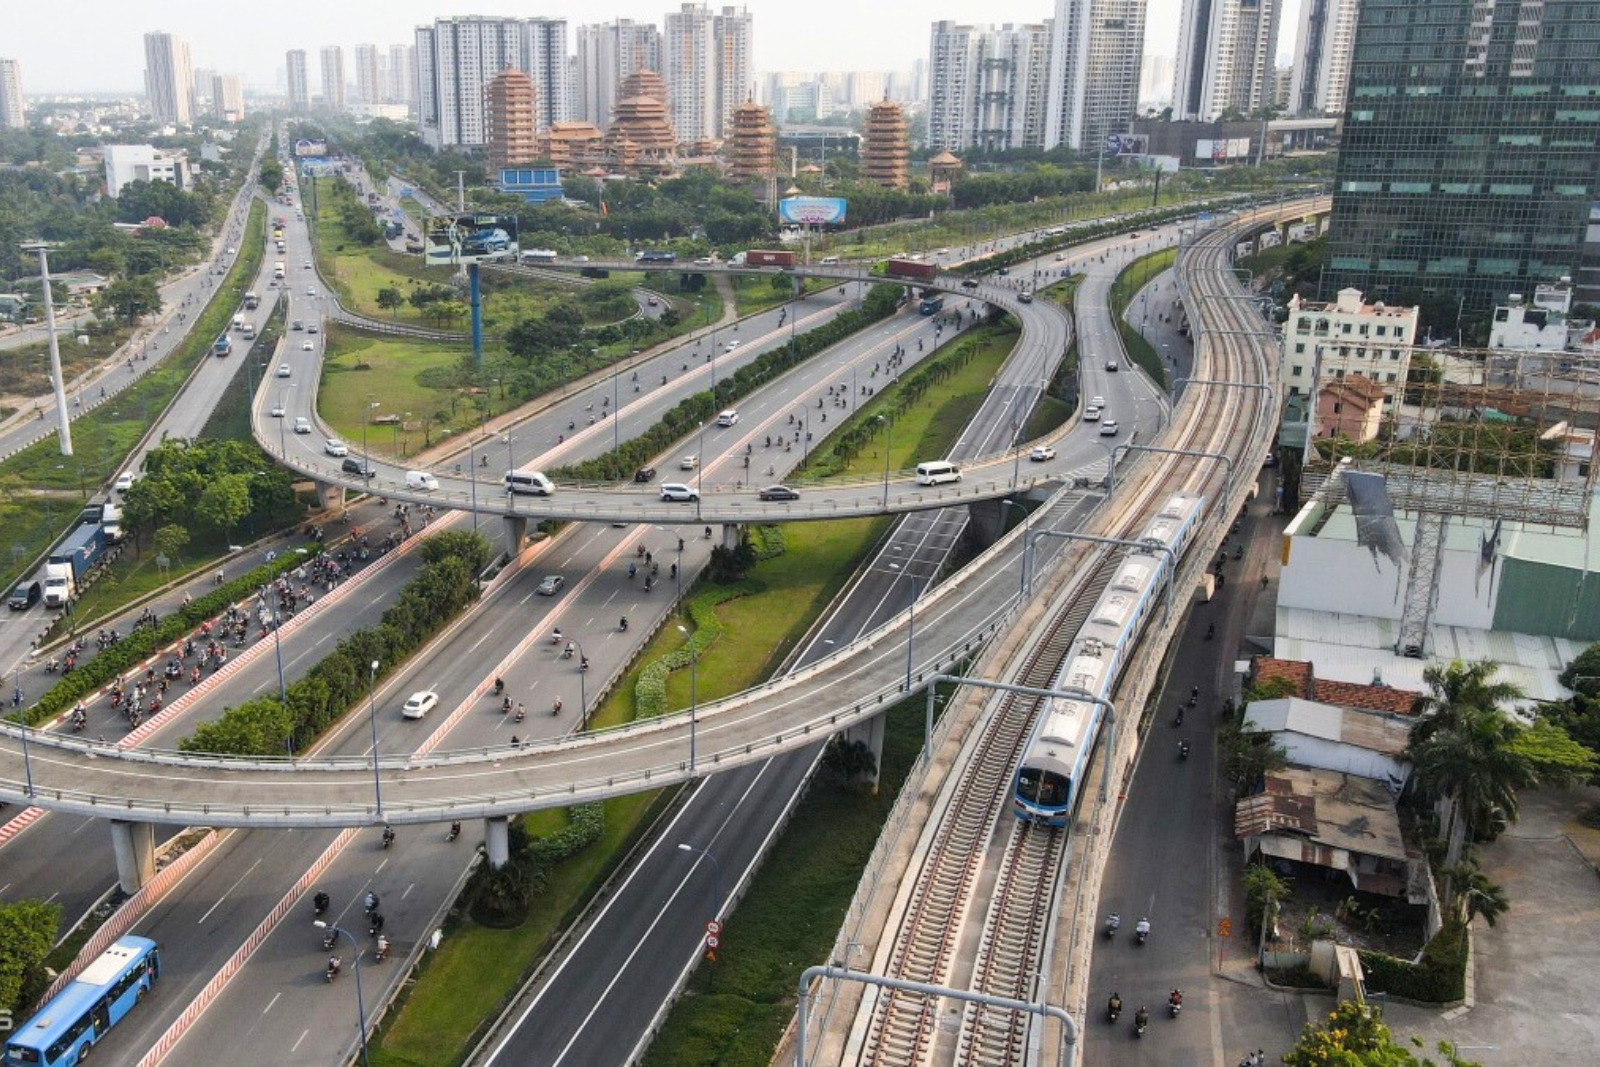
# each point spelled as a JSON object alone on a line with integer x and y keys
{"x": 1057, "y": 757}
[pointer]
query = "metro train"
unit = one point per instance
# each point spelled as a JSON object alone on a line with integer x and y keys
{"x": 1056, "y": 759}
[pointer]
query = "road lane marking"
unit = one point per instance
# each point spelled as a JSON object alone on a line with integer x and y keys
{"x": 225, "y": 893}
{"x": 303, "y": 1035}
{"x": 409, "y": 888}
{"x": 271, "y": 1002}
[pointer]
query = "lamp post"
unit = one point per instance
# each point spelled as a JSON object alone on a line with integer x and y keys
{"x": 616, "y": 425}
{"x": 283, "y": 402}
{"x": 361, "y": 1004}
{"x": 1022, "y": 571}
{"x": 887, "y": 448}
{"x": 694, "y": 661}
{"x": 472, "y": 477}
{"x": 716, "y": 867}
{"x": 277, "y": 647}
{"x": 911, "y": 615}
{"x": 372, "y": 718}
{"x": 366, "y": 457}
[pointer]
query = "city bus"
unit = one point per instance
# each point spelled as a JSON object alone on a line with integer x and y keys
{"x": 91, "y": 1004}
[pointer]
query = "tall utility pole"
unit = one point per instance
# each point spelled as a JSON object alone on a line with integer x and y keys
{"x": 64, "y": 424}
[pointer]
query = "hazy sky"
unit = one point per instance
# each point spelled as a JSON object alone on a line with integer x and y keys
{"x": 97, "y": 44}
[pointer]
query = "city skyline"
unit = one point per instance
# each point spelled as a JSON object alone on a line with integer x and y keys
{"x": 888, "y": 35}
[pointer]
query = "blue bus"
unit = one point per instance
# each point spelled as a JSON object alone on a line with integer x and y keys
{"x": 81, "y": 1014}
{"x": 931, "y": 305}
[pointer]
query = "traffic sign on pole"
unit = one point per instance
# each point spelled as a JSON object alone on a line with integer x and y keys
{"x": 713, "y": 927}
{"x": 711, "y": 941}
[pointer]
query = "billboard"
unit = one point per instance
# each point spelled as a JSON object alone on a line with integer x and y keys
{"x": 812, "y": 210}
{"x": 454, "y": 239}
{"x": 1222, "y": 150}
{"x": 1127, "y": 144}
{"x": 305, "y": 147}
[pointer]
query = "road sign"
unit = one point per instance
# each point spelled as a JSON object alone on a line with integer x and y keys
{"x": 1224, "y": 928}
{"x": 713, "y": 927}
{"x": 712, "y": 942}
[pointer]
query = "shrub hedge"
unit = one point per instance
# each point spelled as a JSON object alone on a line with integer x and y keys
{"x": 1439, "y": 978}
{"x": 690, "y": 412}
{"x": 137, "y": 646}
{"x": 650, "y": 691}
{"x": 442, "y": 589}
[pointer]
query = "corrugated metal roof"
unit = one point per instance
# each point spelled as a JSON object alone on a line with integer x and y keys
{"x": 1349, "y": 726}
{"x": 1331, "y": 810}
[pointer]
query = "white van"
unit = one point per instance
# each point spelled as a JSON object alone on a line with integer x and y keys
{"x": 728, "y": 418}
{"x": 421, "y": 480}
{"x": 937, "y": 473}
{"x": 533, "y": 482}
{"x": 829, "y": 261}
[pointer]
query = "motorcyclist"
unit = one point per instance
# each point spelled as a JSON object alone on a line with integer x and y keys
{"x": 383, "y": 947}
{"x": 1141, "y": 1018}
{"x": 320, "y": 902}
{"x": 499, "y": 686}
{"x": 455, "y": 829}
{"x": 1114, "y": 1005}
{"x": 1113, "y": 923}
{"x": 388, "y": 835}
{"x": 623, "y": 624}
{"x": 1142, "y": 928}
{"x": 334, "y": 963}
{"x": 1175, "y": 999}
{"x": 370, "y": 902}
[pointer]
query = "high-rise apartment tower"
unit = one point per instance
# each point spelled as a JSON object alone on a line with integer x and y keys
{"x": 168, "y": 77}
{"x": 1225, "y": 55}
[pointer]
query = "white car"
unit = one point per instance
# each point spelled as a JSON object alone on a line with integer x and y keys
{"x": 731, "y": 345}
{"x": 307, "y": 346}
{"x": 284, "y": 371}
{"x": 420, "y": 704}
{"x": 1097, "y": 401}
{"x": 124, "y": 482}
{"x": 677, "y": 491}
{"x": 311, "y": 291}
{"x": 1042, "y": 454}
{"x": 302, "y": 424}
{"x": 335, "y": 447}
{"x": 688, "y": 463}
{"x": 277, "y": 411}
{"x": 1091, "y": 414}
{"x": 1109, "y": 428}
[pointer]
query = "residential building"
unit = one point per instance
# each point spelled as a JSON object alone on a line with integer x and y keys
{"x": 168, "y": 78}
{"x": 804, "y": 102}
{"x": 126, "y": 163}
{"x": 1323, "y": 342}
{"x": 512, "y": 120}
{"x": 1304, "y": 683}
{"x": 456, "y": 57}
{"x": 200, "y": 91}
{"x": 333, "y": 88}
{"x": 1096, "y": 60}
{"x": 863, "y": 88}
{"x": 12, "y": 114}
{"x": 608, "y": 52}
{"x": 1155, "y": 82}
{"x": 1343, "y": 822}
{"x": 1325, "y": 736}
{"x": 1539, "y": 327}
{"x": 987, "y": 86}
{"x": 1350, "y": 407}
{"x": 1322, "y": 50}
{"x": 369, "y": 82}
{"x": 227, "y": 97}
{"x": 705, "y": 59}
{"x": 298, "y": 86}
{"x": 886, "y": 146}
{"x": 1225, "y": 56}
{"x": 401, "y": 86}
{"x": 1574, "y": 452}
{"x": 1471, "y": 144}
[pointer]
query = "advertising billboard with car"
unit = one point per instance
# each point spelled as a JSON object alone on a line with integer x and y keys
{"x": 456, "y": 239}
{"x": 812, "y": 210}
{"x": 1127, "y": 144}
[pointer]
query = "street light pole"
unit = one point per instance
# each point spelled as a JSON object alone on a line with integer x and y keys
{"x": 372, "y": 718}
{"x": 694, "y": 687}
{"x": 472, "y": 475}
{"x": 888, "y": 447}
{"x": 361, "y": 1003}
{"x": 716, "y": 867}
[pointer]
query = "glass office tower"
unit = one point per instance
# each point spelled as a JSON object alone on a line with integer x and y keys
{"x": 1471, "y": 150}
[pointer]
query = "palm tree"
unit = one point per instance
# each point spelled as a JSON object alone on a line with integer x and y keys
{"x": 1456, "y": 687}
{"x": 1482, "y": 897}
{"x": 1473, "y": 765}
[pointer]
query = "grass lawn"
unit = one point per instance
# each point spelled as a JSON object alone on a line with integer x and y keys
{"x": 1123, "y": 290}
{"x": 134, "y": 576}
{"x": 357, "y": 367}
{"x": 756, "y": 293}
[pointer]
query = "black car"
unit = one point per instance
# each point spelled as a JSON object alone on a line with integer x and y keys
{"x": 779, "y": 492}
{"x": 24, "y": 596}
{"x": 644, "y": 474}
{"x": 353, "y": 465}
{"x": 969, "y": 283}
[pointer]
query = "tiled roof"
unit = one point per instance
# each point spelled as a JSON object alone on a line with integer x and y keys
{"x": 1341, "y": 694}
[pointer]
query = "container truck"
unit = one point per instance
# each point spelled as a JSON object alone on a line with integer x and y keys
{"x": 106, "y": 514}
{"x": 70, "y": 561}
{"x": 251, "y": 301}
{"x": 759, "y": 258}
{"x": 910, "y": 268}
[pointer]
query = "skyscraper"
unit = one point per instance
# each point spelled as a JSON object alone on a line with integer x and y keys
{"x": 299, "y": 90}
{"x": 227, "y": 97}
{"x": 544, "y": 59}
{"x": 1322, "y": 57}
{"x": 455, "y": 58}
{"x": 607, "y": 53}
{"x": 333, "y": 98}
{"x": 401, "y": 88}
{"x": 987, "y": 86}
{"x": 1470, "y": 150}
{"x": 1225, "y": 54}
{"x": 369, "y": 83}
{"x": 168, "y": 77}
{"x": 11, "y": 110}
{"x": 705, "y": 59}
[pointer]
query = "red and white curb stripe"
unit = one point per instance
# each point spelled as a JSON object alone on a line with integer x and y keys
{"x": 24, "y": 819}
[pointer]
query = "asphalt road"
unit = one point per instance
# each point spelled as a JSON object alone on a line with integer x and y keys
{"x": 184, "y": 295}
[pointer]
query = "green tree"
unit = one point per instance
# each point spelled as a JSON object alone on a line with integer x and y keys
{"x": 224, "y": 502}
{"x": 171, "y": 539}
{"x": 131, "y": 299}
{"x": 27, "y": 932}
{"x": 1471, "y": 890}
{"x": 271, "y": 175}
{"x": 1474, "y": 767}
{"x": 1353, "y": 1036}
{"x": 1456, "y": 690}
{"x": 1583, "y": 673}
{"x": 391, "y": 299}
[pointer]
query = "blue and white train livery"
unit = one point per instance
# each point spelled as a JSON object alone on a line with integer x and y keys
{"x": 1056, "y": 760}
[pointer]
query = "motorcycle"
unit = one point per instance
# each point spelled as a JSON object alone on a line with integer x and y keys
{"x": 1175, "y": 1005}
{"x": 1113, "y": 1010}
{"x": 1211, "y": 630}
{"x": 1142, "y": 930}
{"x": 1112, "y": 924}
{"x": 1141, "y": 1020}
{"x": 499, "y": 686}
{"x": 622, "y": 626}
{"x": 522, "y": 713}
{"x": 1183, "y": 754}
{"x": 388, "y": 836}
{"x": 566, "y": 653}
{"x": 381, "y": 953}
{"x": 329, "y": 939}
{"x": 319, "y": 904}
{"x": 455, "y": 832}
{"x": 333, "y": 968}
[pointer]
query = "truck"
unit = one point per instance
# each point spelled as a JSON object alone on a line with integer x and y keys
{"x": 278, "y": 270}
{"x": 539, "y": 255}
{"x": 910, "y": 268}
{"x": 70, "y": 561}
{"x": 760, "y": 258}
{"x": 106, "y": 514}
{"x": 251, "y": 301}
{"x": 655, "y": 257}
